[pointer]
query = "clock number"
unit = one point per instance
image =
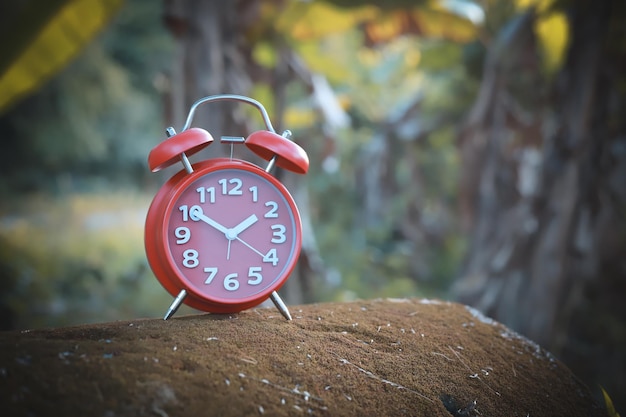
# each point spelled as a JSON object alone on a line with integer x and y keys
{"x": 255, "y": 193}
{"x": 182, "y": 234}
{"x": 255, "y": 272}
{"x": 190, "y": 258}
{"x": 279, "y": 233}
{"x": 230, "y": 282}
{"x": 186, "y": 212}
{"x": 235, "y": 190}
{"x": 272, "y": 213}
{"x": 212, "y": 272}
{"x": 203, "y": 193}
{"x": 271, "y": 257}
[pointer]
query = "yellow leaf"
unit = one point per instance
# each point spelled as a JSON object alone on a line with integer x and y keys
{"x": 264, "y": 54}
{"x": 388, "y": 26}
{"x": 439, "y": 23}
{"x": 313, "y": 20}
{"x": 50, "y": 44}
{"x": 610, "y": 408}
{"x": 552, "y": 30}
{"x": 298, "y": 117}
{"x": 430, "y": 22}
{"x": 553, "y": 33}
{"x": 540, "y": 5}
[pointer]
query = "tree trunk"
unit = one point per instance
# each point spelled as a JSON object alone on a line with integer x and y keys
{"x": 209, "y": 60}
{"x": 543, "y": 187}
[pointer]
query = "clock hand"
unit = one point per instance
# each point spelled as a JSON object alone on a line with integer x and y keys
{"x": 196, "y": 214}
{"x": 232, "y": 233}
{"x": 248, "y": 245}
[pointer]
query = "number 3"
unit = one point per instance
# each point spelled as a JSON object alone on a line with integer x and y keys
{"x": 278, "y": 233}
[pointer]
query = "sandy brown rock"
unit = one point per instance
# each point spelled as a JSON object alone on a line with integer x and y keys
{"x": 373, "y": 358}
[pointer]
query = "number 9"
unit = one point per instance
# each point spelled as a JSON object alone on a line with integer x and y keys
{"x": 183, "y": 235}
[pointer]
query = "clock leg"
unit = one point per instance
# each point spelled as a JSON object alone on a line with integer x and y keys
{"x": 175, "y": 304}
{"x": 280, "y": 305}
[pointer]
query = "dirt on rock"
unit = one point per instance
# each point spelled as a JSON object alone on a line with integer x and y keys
{"x": 367, "y": 358}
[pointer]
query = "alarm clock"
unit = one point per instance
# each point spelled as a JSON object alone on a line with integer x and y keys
{"x": 223, "y": 235}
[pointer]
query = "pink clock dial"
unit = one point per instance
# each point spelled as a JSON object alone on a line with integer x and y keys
{"x": 232, "y": 233}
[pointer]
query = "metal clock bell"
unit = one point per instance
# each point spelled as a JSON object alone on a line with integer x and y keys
{"x": 223, "y": 235}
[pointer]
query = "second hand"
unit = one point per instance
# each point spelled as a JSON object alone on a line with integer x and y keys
{"x": 253, "y": 249}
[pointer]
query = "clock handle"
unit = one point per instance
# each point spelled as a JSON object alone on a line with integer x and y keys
{"x": 275, "y": 148}
{"x": 229, "y": 97}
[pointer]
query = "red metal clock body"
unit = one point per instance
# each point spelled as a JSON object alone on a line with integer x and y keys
{"x": 223, "y": 235}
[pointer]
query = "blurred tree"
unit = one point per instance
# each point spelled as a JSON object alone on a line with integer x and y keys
{"x": 280, "y": 49}
{"x": 96, "y": 116}
{"x": 544, "y": 168}
{"x": 210, "y": 58}
{"x": 85, "y": 131}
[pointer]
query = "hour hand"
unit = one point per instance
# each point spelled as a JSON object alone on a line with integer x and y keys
{"x": 196, "y": 214}
{"x": 242, "y": 226}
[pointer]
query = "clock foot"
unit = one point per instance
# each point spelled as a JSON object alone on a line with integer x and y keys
{"x": 280, "y": 305}
{"x": 175, "y": 304}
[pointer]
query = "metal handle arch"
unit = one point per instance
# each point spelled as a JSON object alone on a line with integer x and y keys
{"x": 229, "y": 97}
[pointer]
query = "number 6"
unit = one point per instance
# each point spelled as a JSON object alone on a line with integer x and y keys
{"x": 230, "y": 282}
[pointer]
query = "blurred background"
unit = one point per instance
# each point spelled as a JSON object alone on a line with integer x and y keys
{"x": 472, "y": 151}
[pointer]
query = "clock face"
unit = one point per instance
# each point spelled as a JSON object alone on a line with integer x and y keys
{"x": 232, "y": 233}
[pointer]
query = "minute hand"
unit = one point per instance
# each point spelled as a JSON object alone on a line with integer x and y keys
{"x": 197, "y": 214}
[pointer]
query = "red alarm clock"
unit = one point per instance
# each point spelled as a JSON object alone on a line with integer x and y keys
{"x": 223, "y": 235}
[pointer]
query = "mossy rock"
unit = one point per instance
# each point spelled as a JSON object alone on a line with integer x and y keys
{"x": 366, "y": 358}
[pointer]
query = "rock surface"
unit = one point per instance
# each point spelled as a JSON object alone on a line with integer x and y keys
{"x": 367, "y": 358}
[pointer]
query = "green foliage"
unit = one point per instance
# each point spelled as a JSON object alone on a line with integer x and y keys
{"x": 81, "y": 260}
{"x": 97, "y": 116}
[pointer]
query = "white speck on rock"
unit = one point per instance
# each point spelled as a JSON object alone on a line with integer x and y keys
{"x": 398, "y": 300}
{"x": 429, "y": 301}
{"x": 536, "y": 350}
{"x": 480, "y": 316}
